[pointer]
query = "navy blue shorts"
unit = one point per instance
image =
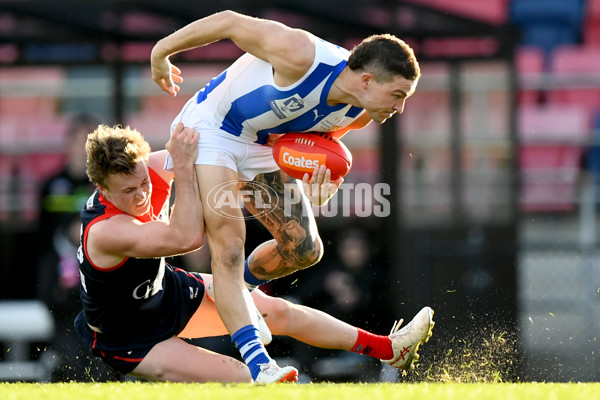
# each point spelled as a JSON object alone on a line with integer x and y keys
{"x": 124, "y": 360}
{"x": 123, "y": 351}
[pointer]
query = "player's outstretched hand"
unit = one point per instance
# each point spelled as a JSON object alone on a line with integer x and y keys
{"x": 319, "y": 189}
{"x": 183, "y": 144}
{"x": 166, "y": 74}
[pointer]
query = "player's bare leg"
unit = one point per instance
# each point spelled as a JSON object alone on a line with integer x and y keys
{"x": 175, "y": 360}
{"x": 319, "y": 329}
{"x": 305, "y": 324}
{"x": 314, "y": 327}
{"x": 226, "y": 233}
{"x": 296, "y": 244}
{"x": 226, "y": 238}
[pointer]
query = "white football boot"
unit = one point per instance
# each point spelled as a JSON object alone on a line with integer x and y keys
{"x": 255, "y": 315}
{"x": 406, "y": 341}
{"x": 273, "y": 373}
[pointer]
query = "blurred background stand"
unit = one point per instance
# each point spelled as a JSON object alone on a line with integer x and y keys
{"x": 26, "y": 326}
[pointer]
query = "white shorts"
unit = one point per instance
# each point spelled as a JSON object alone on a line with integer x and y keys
{"x": 216, "y": 147}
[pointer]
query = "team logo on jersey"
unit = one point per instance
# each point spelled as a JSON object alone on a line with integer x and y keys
{"x": 284, "y": 108}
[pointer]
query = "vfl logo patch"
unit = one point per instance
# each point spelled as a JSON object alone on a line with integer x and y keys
{"x": 284, "y": 108}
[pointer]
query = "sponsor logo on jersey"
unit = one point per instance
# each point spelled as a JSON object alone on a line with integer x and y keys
{"x": 149, "y": 288}
{"x": 284, "y": 108}
{"x": 301, "y": 161}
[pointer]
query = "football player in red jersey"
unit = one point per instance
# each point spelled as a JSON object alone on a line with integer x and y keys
{"x": 136, "y": 306}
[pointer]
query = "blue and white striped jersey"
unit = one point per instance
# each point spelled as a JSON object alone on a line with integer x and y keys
{"x": 244, "y": 101}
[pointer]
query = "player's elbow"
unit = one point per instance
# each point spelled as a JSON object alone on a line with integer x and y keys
{"x": 310, "y": 254}
{"x": 228, "y": 14}
{"x": 193, "y": 241}
{"x": 228, "y": 20}
{"x": 197, "y": 240}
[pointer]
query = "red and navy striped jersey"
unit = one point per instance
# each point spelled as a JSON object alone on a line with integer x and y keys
{"x": 131, "y": 295}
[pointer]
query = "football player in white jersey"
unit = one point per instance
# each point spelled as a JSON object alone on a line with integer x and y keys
{"x": 287, "y": 80}
{"x": 137, "y": 307}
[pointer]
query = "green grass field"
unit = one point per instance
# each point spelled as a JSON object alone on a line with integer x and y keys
{"x": 474, "y": 367}
{"x": 384, "y": 391}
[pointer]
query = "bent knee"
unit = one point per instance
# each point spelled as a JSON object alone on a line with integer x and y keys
{"x": 278, "y": 316}
{"x": 310, "y": 254}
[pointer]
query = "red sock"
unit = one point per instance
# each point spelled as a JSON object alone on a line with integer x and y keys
{"x": 372, "y": 345}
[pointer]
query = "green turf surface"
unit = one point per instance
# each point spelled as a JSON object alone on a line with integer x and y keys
{"x": 387, "y": 391}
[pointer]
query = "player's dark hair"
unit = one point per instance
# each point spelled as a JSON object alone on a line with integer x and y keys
{"x": 114, "y": 151}
{"x": 385, "y": 56}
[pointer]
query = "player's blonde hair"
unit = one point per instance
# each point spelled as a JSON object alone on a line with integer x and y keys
{"x": 115, "y": 150}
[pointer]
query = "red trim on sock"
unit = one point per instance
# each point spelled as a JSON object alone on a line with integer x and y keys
{"x": 372, "y": 345}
